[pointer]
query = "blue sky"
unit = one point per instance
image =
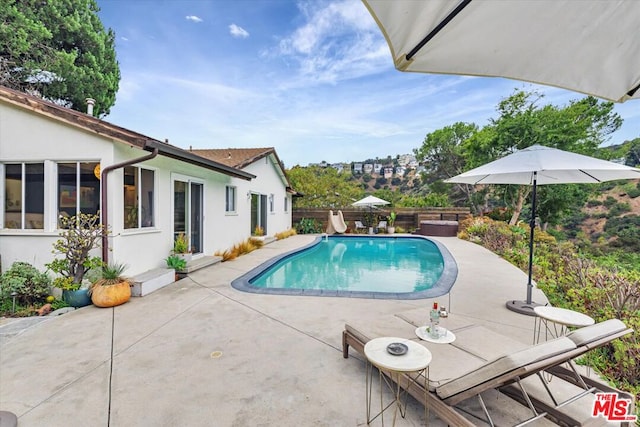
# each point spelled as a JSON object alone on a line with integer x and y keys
{"x": 314, "y": 79}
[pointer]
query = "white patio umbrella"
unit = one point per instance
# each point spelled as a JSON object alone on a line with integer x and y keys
{"x": 589, "y": 46}
{"x": 539, "y": 165}
{"x": 370, "y": 201}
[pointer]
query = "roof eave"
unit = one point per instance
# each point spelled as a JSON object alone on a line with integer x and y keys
{"x": 188, "y": 157}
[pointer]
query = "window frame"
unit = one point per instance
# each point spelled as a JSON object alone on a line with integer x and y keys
{"x": 230, "y": 199}
{"x": 78, "y": 187}
{"x": 24, "y": 197}
{"x": 138, "y": 180}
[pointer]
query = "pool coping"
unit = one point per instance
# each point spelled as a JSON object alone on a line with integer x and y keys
{"x": 442, "y": 286}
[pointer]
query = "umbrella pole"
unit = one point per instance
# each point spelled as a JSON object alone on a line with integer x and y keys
{"x": 532, "y": 226}
{"x": 526, "y": 307}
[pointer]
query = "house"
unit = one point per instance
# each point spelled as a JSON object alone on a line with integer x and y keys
{"x": 323, "y": 164}
{"x": 377, "y": 167}
{"x": 406, "y": 159}
{"x": 339, "y": 167}
{"x": 270, "y": 204}
{"x": 357, "y": 168}
{"x": 55, "y": 161}
{"x": 368, "y": 168}
{"x": 388, "y": 172}
{"x": 401, "y": 170}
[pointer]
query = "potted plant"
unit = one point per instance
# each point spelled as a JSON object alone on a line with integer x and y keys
{"x": 81, "y": 234}
{"x": 181, "y": 247}
{"x": 391, "y": 219}
{"x": 177, "y": 263}
{"x": 112, "y": 288}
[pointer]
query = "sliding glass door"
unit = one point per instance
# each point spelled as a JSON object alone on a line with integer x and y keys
{"x": 188, "y": 213}
{"x": 258, "y": 212}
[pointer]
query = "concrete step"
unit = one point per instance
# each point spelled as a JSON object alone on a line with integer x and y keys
{"x": 151, "y": 280}
{"x": 197, "y": 263}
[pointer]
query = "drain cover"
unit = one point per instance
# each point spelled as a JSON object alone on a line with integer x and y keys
{"x": 216, "y": 354}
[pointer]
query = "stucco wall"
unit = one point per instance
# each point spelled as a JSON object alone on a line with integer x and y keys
{"x": 270, "y": 182}
{"x": 26, "y": 136}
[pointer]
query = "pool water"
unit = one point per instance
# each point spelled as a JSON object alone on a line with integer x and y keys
{"x": 367, "y": 266}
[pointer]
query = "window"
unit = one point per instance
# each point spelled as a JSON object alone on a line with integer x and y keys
{"x": 138, "y": 197}
{"x": 24, "y": 196}
{"x": 271, "y": 204}
{"x": 78, "y": 188}
{"x": 286, "y": 203}
{"x": 230, "y": 201}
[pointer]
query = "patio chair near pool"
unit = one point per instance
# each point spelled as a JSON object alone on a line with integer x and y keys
{"x": 382, "y": 225}
{"x": 480, "y": 360}
{"x": 359, "y": 226}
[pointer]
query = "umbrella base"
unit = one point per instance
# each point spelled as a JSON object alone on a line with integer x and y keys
{"x": 8, "y": 419}
{"x": 522, "y": 307}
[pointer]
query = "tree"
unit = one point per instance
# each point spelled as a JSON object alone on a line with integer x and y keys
{"x": 323, "y": 187}
{"x": 443, "y": 152}
{"x": 58, "y": 49}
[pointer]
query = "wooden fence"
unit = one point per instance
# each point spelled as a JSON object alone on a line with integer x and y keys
{"x": 407, "y": 218}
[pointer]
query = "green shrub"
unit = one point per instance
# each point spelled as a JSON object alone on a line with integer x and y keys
{"x": 609, "y": 202}
{"x": 30, "y": 285}
{"x": 603, "y": 290}
{"x": 619, "y": 208}
{"x": 625, "y": 230}
{"x": 175, "y": 262}
{"x": 500, "y": 214}
{"x": 308, "y": 226}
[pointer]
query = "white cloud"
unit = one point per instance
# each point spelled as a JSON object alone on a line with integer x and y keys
{"x": 124, "y": 39}
{"x": 193, "y": 18}
{"x": 238, "y": 32}
{"x": 339, "y": 41}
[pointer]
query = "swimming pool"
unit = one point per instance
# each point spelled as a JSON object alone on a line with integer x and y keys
{"x": 389, "y": 267}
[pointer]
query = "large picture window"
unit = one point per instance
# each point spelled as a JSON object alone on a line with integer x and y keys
{"x": 139, "y": 195}
{"x": 24, "y": 196}
{"x": 78, "y": 188}
{"x": 230, "y": 200}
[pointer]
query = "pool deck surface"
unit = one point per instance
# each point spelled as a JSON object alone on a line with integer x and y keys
{"x": 200, "y": 353}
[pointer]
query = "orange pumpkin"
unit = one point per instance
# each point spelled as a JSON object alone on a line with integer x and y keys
{"x": 111, "y": 295}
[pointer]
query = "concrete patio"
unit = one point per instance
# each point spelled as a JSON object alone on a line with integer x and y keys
{"x": 200, "y": 353}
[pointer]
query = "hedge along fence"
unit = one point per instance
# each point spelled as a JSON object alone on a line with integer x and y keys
{"x": 407, "y": 218}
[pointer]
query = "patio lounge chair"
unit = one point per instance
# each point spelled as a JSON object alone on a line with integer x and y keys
{"x": 382, "y": 225}
{"x": 359, "y": 226}
{"x": 469, "y": 366}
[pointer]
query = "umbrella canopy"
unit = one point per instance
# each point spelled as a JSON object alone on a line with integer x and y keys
{"x": 547, "y": 166}
{"x": 539, "y": 165}
{"x": 588, "y": 46}
{"x": 370, "y": 201}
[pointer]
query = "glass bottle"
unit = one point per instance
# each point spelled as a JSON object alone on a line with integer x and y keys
{"x": 434, "y": 320}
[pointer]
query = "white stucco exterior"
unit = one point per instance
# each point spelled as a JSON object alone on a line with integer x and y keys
{"x": 28, "y": 136}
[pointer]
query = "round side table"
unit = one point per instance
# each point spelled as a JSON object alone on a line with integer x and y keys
{"x": 557, "y": 321}
{"x": 407, "y": 368}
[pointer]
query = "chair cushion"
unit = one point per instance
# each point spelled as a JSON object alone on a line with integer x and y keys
{"x": 505, "y": 364}
{"x": 589, "y": 334}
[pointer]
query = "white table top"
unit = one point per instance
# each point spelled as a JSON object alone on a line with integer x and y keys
{"x": 415, "y": 359}
{"x": 563, "y": 316}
